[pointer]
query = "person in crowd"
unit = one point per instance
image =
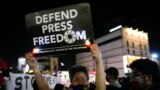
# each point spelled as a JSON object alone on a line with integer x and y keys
{"x": 78, "y": 79}
{"x": 4, "y": 74}
{"x": 59, "y": 87}
{"x": 145, "y": 75}
{"x": 2, "y": 81}
{"x": 39, "y": 79}
{"x": 112, "y": 74}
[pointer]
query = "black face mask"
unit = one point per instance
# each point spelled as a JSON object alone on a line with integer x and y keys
{"x": 80, "y": 87}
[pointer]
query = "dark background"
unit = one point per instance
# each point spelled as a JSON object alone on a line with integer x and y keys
{"x": 143, "y": 15}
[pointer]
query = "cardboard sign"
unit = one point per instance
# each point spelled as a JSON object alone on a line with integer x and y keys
{"x": 63, "y": 29}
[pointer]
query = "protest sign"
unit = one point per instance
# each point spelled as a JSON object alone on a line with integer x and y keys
{"x": 62, "y": 29}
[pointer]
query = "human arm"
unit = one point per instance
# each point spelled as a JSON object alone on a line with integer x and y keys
{"x": 32, "y": 62}
{"x": 100, "y": 75}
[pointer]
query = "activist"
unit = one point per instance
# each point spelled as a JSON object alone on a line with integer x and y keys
{"x": 145, "y": 75}
{"x": 112, "y": 74}
{"x": 79, "y": 78}
{"x": 32, "y": 62}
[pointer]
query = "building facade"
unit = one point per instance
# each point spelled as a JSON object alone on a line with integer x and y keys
{"x": 119, "y": 48}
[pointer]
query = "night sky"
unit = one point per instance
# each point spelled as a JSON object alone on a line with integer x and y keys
{"x": 105, "y": 15}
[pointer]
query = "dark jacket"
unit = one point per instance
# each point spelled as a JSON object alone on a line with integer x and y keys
{"x": 110, "y": 87}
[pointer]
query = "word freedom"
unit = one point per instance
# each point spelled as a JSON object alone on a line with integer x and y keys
{"x": 69, "y": 37}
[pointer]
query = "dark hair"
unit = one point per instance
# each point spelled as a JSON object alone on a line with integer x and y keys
{"x": 113, "y": 72}
{"x": 77, "y": 68}
{"x": 148, "y": 67}
{"x": 59, "y": 87}
{"x": 35, "y": 86}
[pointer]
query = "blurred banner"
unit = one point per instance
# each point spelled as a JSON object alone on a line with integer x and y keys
{"x": 25, "y": 81}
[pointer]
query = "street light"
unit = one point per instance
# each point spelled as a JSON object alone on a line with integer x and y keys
{"x": 154, "y": 55}
{"x": 62, "y": 64}
{"x": 155, "y": 58}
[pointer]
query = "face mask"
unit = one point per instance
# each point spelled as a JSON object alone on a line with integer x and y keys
{"x": 80, "y": 87}
{"x": 137, "y": 82}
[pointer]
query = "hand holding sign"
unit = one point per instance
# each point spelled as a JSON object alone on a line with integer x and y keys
{"x": 100, "y": 75}
{"x": 31, "y": 61}
{"x": 96, "y": 53}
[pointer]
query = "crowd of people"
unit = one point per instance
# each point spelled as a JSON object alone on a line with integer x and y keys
{"x": 145, "y": 75}
{"x": 78, "y": 74}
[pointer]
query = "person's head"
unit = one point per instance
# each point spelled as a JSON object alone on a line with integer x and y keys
{"x": 78, "y": 75}
{"x": 111, "y": 74}
{"x": 145, "y": 72}
{"x": 59, "y": 87}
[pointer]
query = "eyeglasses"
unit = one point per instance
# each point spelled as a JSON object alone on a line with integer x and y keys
{"x": 136, "y": 76}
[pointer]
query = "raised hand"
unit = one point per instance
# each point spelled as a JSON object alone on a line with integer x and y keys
{"x": 96, "y": 53}
{"x": 31, "y": 61}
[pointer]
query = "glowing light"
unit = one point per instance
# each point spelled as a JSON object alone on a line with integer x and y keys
{"x": 35, "y": 50}
{"x": 116, "y": 28}
{"x": 154, "y": 55}
{"x": 30, "y": 71}
{"x": 87, "y": 43}
{"x": 62, "y": 64}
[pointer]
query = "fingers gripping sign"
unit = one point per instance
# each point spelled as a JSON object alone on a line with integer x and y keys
{"x": 31, "y": 61}
{"x": 96, "y": 52}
